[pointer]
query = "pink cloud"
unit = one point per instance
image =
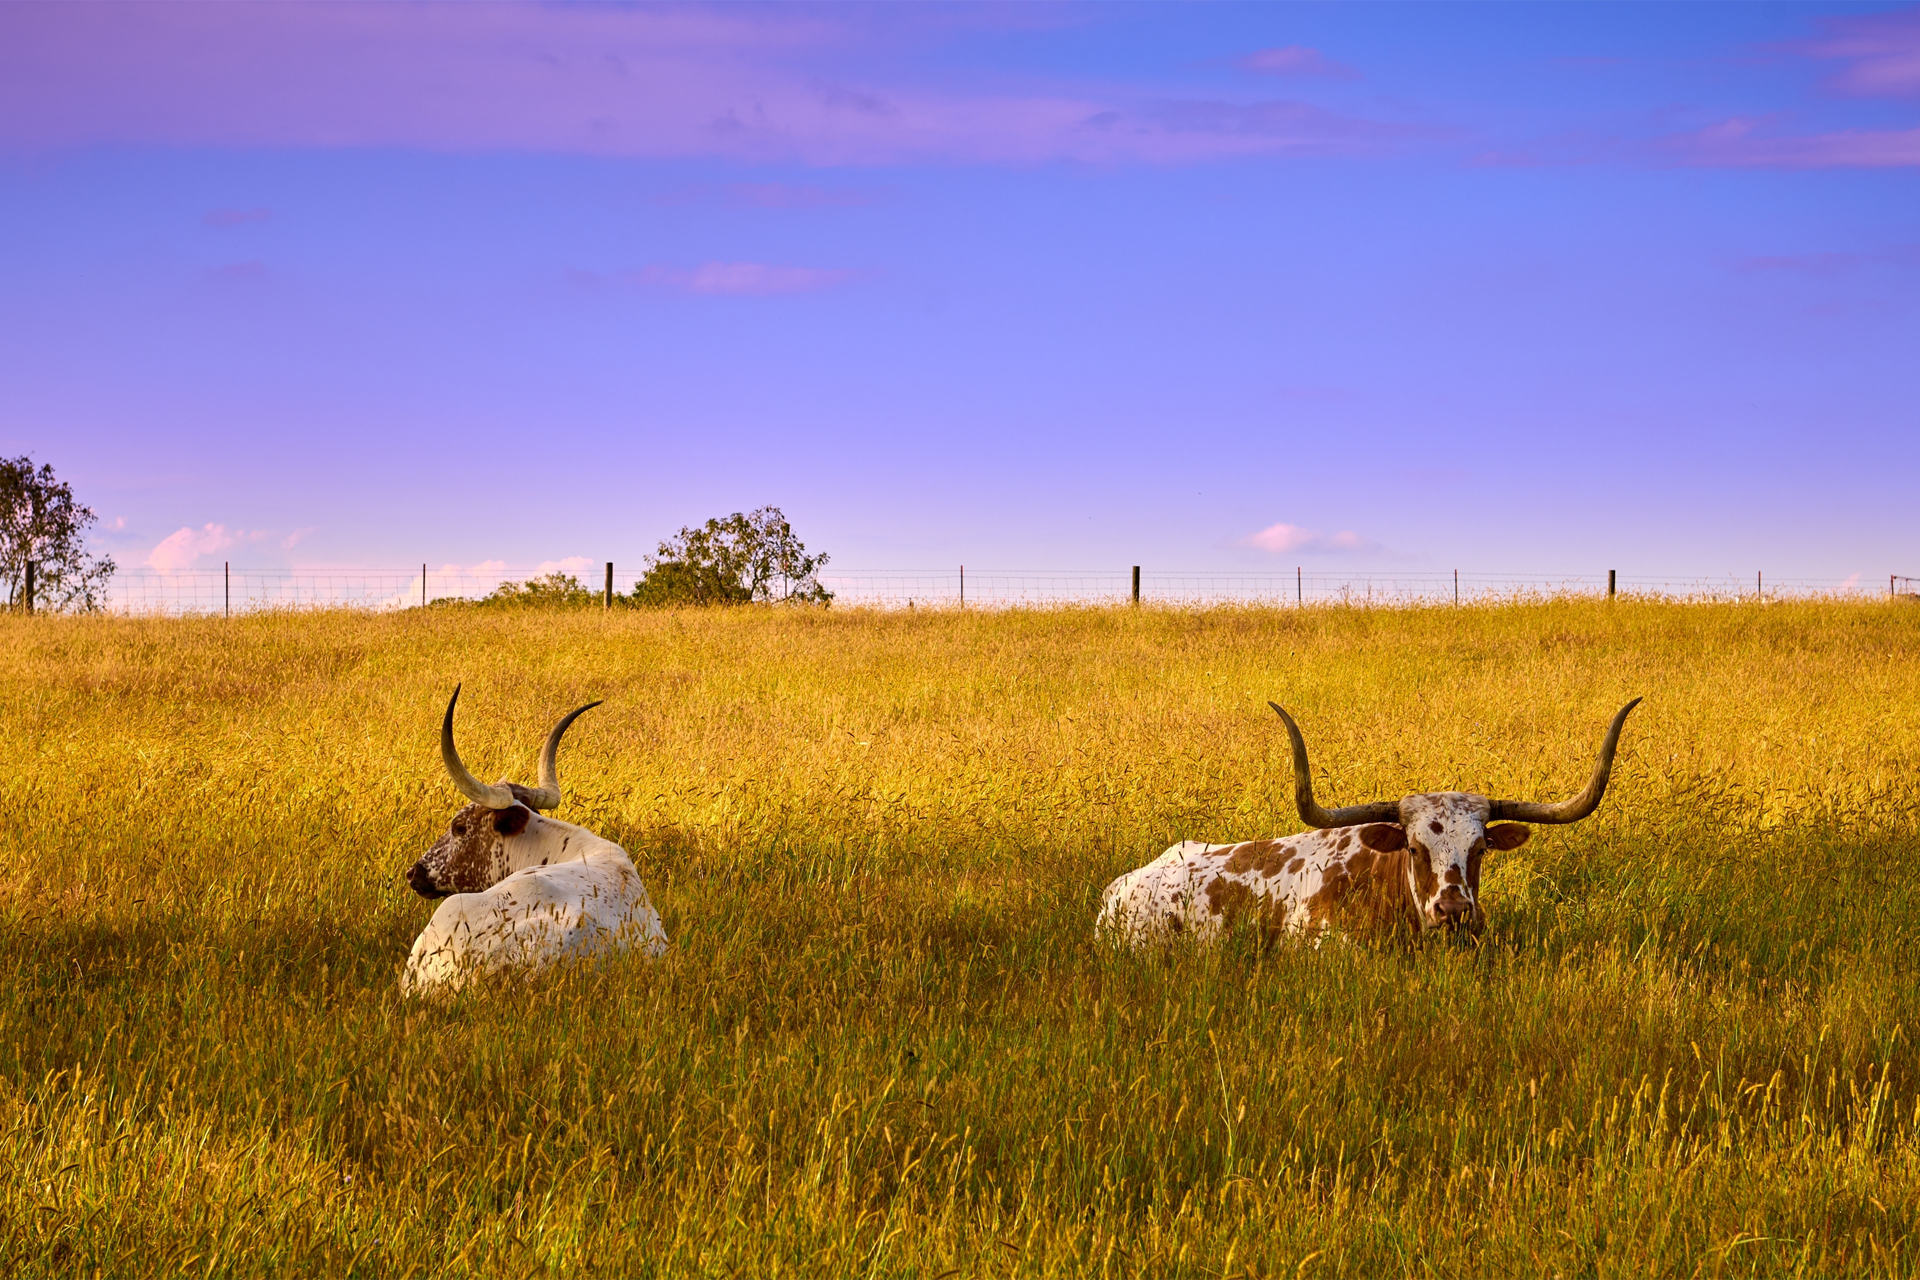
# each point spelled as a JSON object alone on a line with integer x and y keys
{"x": 734, "y": 82}
{"x": 1829, "y": 264}
{"x": 786, "y": 195}
{"x": 1744, "y": 144}
{"x": 235, "y": 217}
{"x": 183, "y": 548}
{"x": 1298, "y": 60}
{"x": 1279, "y": 539}
{"x": 1881, "y": 52}
{"x": 1262, "y": 127}
{"x": 738, "y": 278}
{"x": 769, "y": 195}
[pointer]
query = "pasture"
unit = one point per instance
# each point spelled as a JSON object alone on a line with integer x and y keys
{"x": 883, "y": 1042}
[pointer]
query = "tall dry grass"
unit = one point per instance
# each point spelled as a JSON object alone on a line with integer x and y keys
{"x": 884, "y": 1042}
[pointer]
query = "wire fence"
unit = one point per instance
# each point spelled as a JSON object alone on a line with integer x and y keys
{"x": 228, "y": 591}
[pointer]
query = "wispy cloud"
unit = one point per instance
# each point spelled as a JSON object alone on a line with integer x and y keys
{"x": 1278, "y": 539}
{"x": 238, "y": 271}
{"x": 736, "y": 279}
{"x": 1744, "y": 143}
{"x": 769, "y": 195}
{"x": 737, "y": 83}
{"x": 1298, "y": 60}
{"x": 235, "y": 217}
{"x": 1881, "y": 53}
{"x": 1181, "y": 130}
{"x": 1828, "y": 264}
{"x": 571, "y": 565}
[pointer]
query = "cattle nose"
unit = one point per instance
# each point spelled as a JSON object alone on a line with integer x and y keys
{"x": 419, "y": 881}
{"x": 1452, "y": 910}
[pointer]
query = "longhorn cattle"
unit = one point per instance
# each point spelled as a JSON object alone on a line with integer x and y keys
{"x": 1409, "y": 866}
{"x": 521, "y": 890}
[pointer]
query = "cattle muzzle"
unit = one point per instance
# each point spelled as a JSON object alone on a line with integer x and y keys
{"x": 420, "y": 880}
{"x": 1455, "y": 912}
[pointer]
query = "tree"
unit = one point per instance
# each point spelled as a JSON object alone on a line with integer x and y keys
{"x": 40, "y": 521}
{"x": 735, "y": 560}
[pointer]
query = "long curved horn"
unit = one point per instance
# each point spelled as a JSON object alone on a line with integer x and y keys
{"x": 548, "y": 796}
{"x": 1581, "y": 805}
{"x": 1310, "y": 811}
{"x": 469, "y": 786}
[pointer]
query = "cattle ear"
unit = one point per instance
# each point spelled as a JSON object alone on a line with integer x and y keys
{"x": 511, "y": 822}
{"x": 1508, "y": 835}
{"x": 1384, "y": 837}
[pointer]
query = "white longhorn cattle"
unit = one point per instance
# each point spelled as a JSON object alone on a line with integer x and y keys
{"x": 1406, "y": 866}
{"x": 521, "y": 890}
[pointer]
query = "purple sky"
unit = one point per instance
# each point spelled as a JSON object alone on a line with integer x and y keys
{"x": 1527, "y": 290}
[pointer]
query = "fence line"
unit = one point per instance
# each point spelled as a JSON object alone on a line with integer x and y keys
{"x": 228, "y": 590}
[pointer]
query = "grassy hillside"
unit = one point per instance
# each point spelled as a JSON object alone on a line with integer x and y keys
{"x": 884, "y": 1042}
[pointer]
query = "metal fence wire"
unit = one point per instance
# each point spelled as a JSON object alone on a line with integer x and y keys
{"x": 227, "y": 591}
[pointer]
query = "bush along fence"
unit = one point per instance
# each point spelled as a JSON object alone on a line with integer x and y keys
{"x": 228, "y": 591}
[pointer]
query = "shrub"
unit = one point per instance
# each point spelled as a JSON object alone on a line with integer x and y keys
{"x": 554, "y": 589}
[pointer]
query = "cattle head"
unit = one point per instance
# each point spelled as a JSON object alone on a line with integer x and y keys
{"x": 477, "y": 852}
{"x": 1444, "y": 835}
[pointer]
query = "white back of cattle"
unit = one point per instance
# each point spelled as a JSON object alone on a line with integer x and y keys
{"x": 522, "y": 891}
{"x": 567, "y": 895}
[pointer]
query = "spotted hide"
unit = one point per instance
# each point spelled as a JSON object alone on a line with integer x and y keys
{"x": 1407, "y": 866}
{"x": 521, "y": 890}
{"x": 1361, "y": 879}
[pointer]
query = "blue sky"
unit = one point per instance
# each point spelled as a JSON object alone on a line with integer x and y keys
{"x": 1529, "y": 290}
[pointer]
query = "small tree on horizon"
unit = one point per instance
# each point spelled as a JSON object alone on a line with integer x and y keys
{"x": 739, "y": 559}
{"x": 41, "y": 522}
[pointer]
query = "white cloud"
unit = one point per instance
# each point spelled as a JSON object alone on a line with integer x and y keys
{"x": 451, "y": 580}
{"x": 179, "y": 550}
{"x": 1281, "y": 538}
{"x": 575, "y": 565}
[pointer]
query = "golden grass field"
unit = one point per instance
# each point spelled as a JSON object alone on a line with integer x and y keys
{"x": 884, "y": 1042}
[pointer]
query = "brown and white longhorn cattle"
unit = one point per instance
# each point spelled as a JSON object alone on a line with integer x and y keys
{"x": 1409, "y": 865}
{"x": 521, "y": 890}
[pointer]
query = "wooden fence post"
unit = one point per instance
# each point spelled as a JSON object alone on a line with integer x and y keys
{"x": 31, "y": 566}
{"x": 423, "y": 586}
{"x": 1456, "y": 586}
{"x": 607, "y": 600}
{"x": 226, "y": 584}
{"x": 1610, "y": 574}
{"x": 1136, "y": 584}
{"x": 963, "y": 586}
